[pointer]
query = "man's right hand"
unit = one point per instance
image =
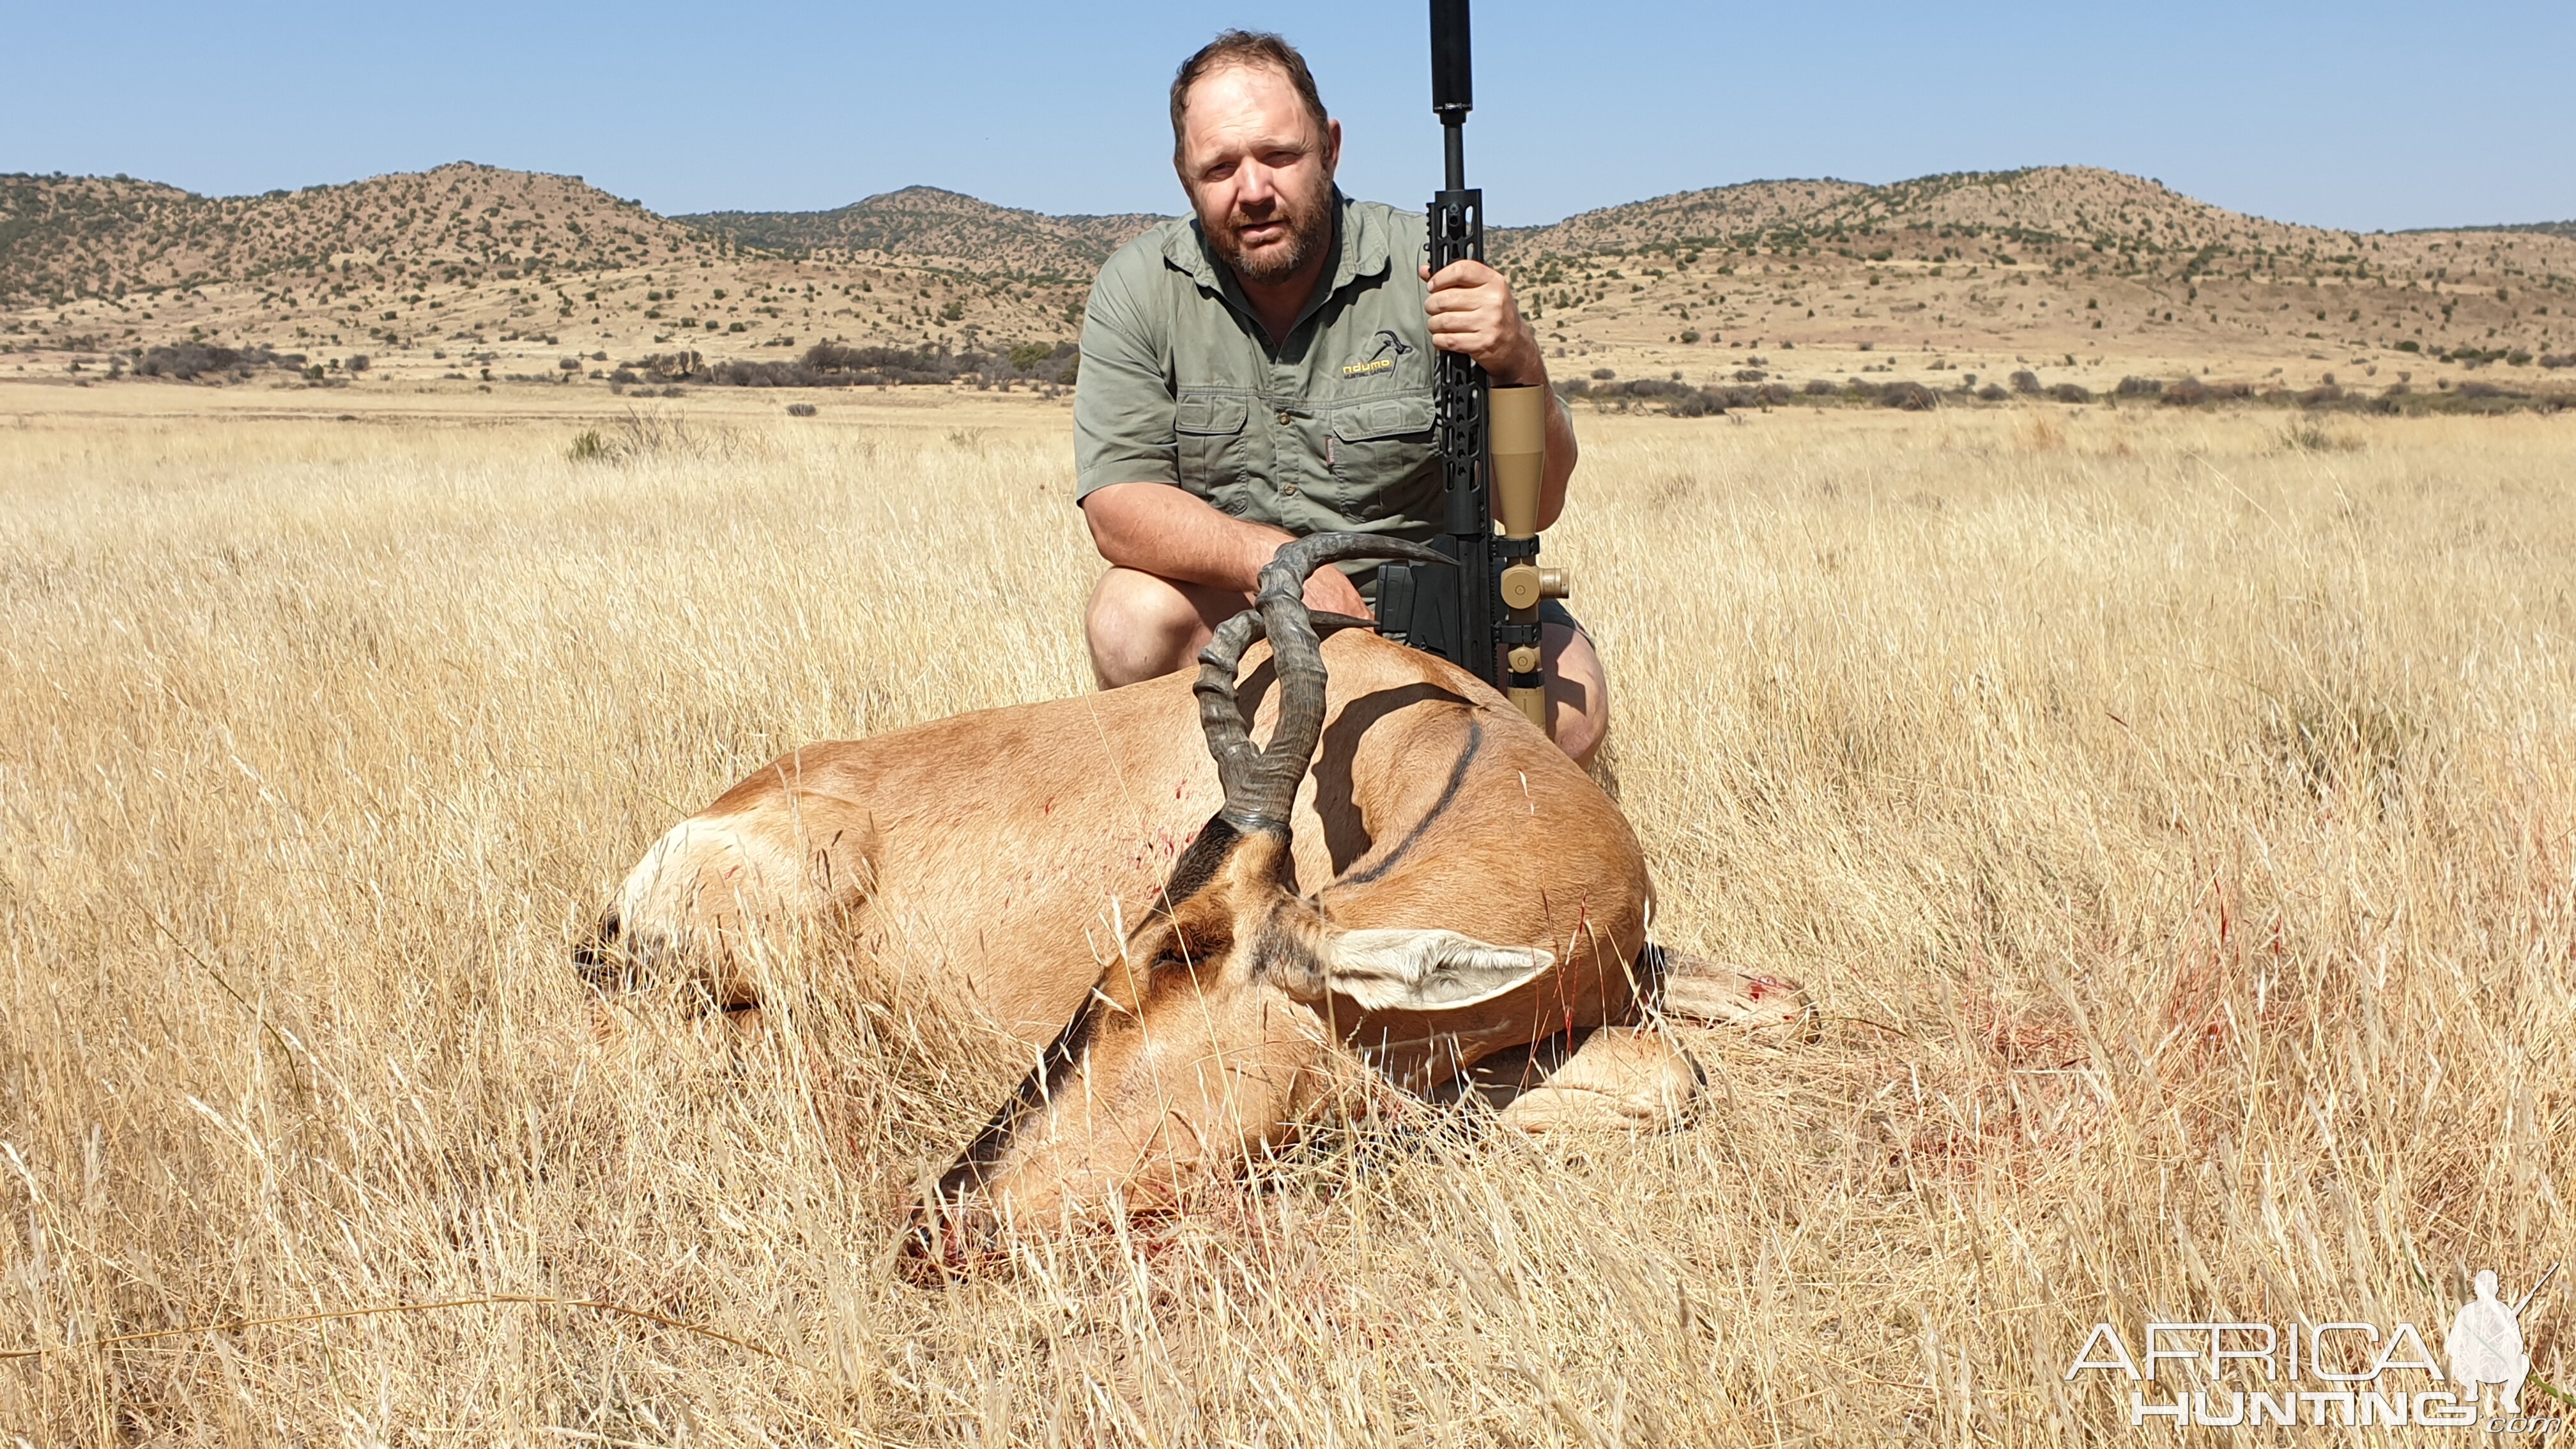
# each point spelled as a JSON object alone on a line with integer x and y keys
{"x": 1330, "y": 591}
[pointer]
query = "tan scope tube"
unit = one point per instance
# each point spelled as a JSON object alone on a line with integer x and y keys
{"x": 1518, "y": 417}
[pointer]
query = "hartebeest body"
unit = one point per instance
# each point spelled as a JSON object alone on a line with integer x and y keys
{"x": 1409, "y": 868}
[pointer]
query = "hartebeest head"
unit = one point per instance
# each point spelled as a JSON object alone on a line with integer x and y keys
{"x": 1203, "y": 1042}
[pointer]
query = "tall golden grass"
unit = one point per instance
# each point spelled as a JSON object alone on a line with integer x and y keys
{"x": 2174, "y": 817}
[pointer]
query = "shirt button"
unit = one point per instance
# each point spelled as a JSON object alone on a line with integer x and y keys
{"x": 1284, "y": 418}
{"x": 1289, "y": 489}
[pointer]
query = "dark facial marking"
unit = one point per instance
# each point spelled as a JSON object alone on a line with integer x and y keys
{"x": 1199, "y": 864}
{"x": 1034, "y": 1089}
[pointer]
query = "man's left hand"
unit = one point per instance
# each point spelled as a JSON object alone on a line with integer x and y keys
{"x": 1472, "y": 311}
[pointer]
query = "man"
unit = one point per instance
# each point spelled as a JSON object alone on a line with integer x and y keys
{"x": 1263, "y": 370}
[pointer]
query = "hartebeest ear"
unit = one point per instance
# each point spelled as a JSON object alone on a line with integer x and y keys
{"x": 1397, "y": 970}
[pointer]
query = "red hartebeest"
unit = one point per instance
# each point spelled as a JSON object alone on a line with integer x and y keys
{"x": 1408, "y": 868}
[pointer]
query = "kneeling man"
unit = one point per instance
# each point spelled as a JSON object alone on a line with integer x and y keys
{"x": 1262, "y": 370}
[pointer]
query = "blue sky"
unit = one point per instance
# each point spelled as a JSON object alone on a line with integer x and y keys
{"x": 2358, "y": 115}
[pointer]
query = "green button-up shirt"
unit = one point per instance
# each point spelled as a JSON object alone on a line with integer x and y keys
{"x": 1328, "y": 430}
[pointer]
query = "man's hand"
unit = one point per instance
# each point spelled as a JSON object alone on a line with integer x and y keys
{"x": 1472, "y": 311}
{"x": 1330, "y": 591}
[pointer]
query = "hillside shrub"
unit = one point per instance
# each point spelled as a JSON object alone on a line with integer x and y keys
{"x": 2026, "y": 383}
{"x": 2069, "y": 392}
{"x": 2139, "y": 387}
{"x": 1992, "y": 392}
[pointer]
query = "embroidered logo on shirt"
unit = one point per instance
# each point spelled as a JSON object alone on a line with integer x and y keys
{"x": 1377, "y": 359}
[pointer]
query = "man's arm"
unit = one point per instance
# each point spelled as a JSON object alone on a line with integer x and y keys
{"x": 1473, "y": 311}
{"x": 1158, "y": 529}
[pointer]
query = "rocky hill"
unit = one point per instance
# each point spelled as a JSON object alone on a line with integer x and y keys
{"x": 67, "y": 236}
{"x": 939, "y": 228}
{"x": 2070, "y": 204}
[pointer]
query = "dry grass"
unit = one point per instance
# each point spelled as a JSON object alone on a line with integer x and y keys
{"x": 2174, "y": 824}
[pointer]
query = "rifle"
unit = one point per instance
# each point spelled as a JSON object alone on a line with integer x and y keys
{"x": 1481, "y": 612}
{"x": 2524, "y": 1301}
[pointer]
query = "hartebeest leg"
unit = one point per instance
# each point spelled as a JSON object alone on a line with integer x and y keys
{"x": 1695, "y": 988}
{"x": 1620, "y": 1078}
{"x": 1636, "y": 1078}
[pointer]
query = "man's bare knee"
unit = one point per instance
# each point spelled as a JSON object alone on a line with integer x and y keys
{"x": 1139, "y": 626}
{"x": 1578, "y": 692}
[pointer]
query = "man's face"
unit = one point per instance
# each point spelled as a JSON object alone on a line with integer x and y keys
{"x": 1258, "y": 172}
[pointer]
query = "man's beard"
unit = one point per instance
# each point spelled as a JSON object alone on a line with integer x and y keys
{"x": 1310, "y": 230}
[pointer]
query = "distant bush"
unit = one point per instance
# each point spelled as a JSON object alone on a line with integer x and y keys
{"x": 1697, "y": 403}
{"x": 1913, "y": 397}
{"x": 190, "y": 360}
{"x": 1992, "y": 392}
{"x": 800, "y": 410}
{"x": 2026, "y": 383}
{"x": 1750, "y": 374}
{"x": 2559, "y": 359}
{"x": 359, "y": 363}
{"x": 832, "y": 364}
{"x": 2069, "y": 392}
{"x": 2306, "y": 436}
{"x": 2321, "y": 395}
{"x": 2139, "y": 387}
{"x": 2187, "y": 393}
{"x": 1602, "y": 374}
{"x": 1818, "y": 387}
{"x": 1690, "y": 335}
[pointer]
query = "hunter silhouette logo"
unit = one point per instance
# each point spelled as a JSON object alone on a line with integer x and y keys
{"x": 2347, "y": 1373}
{"x": 1378, "y": 359}
{"x": 2485, "y": 1342}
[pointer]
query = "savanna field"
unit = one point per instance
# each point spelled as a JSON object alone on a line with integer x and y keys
{"x": 2173, "y": 813}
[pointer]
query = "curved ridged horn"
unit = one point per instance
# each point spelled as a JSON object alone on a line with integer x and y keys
{"x": 1261, "y": 784}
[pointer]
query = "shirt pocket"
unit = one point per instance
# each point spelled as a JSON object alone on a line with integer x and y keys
{"x": 1382, "y": 463}
{"x": 1208, "y": 429}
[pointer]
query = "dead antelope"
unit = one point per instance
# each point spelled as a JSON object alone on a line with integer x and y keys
{"x": 1408, "y": 870}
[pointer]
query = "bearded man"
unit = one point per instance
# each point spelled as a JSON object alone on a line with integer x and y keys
{"x": 1262, "y": 369}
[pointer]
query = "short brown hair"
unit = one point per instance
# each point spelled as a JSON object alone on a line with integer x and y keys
{"x": 1246, "y": 48}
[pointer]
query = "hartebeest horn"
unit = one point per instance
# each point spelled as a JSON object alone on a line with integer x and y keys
{"x": 1261, "y": 784}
